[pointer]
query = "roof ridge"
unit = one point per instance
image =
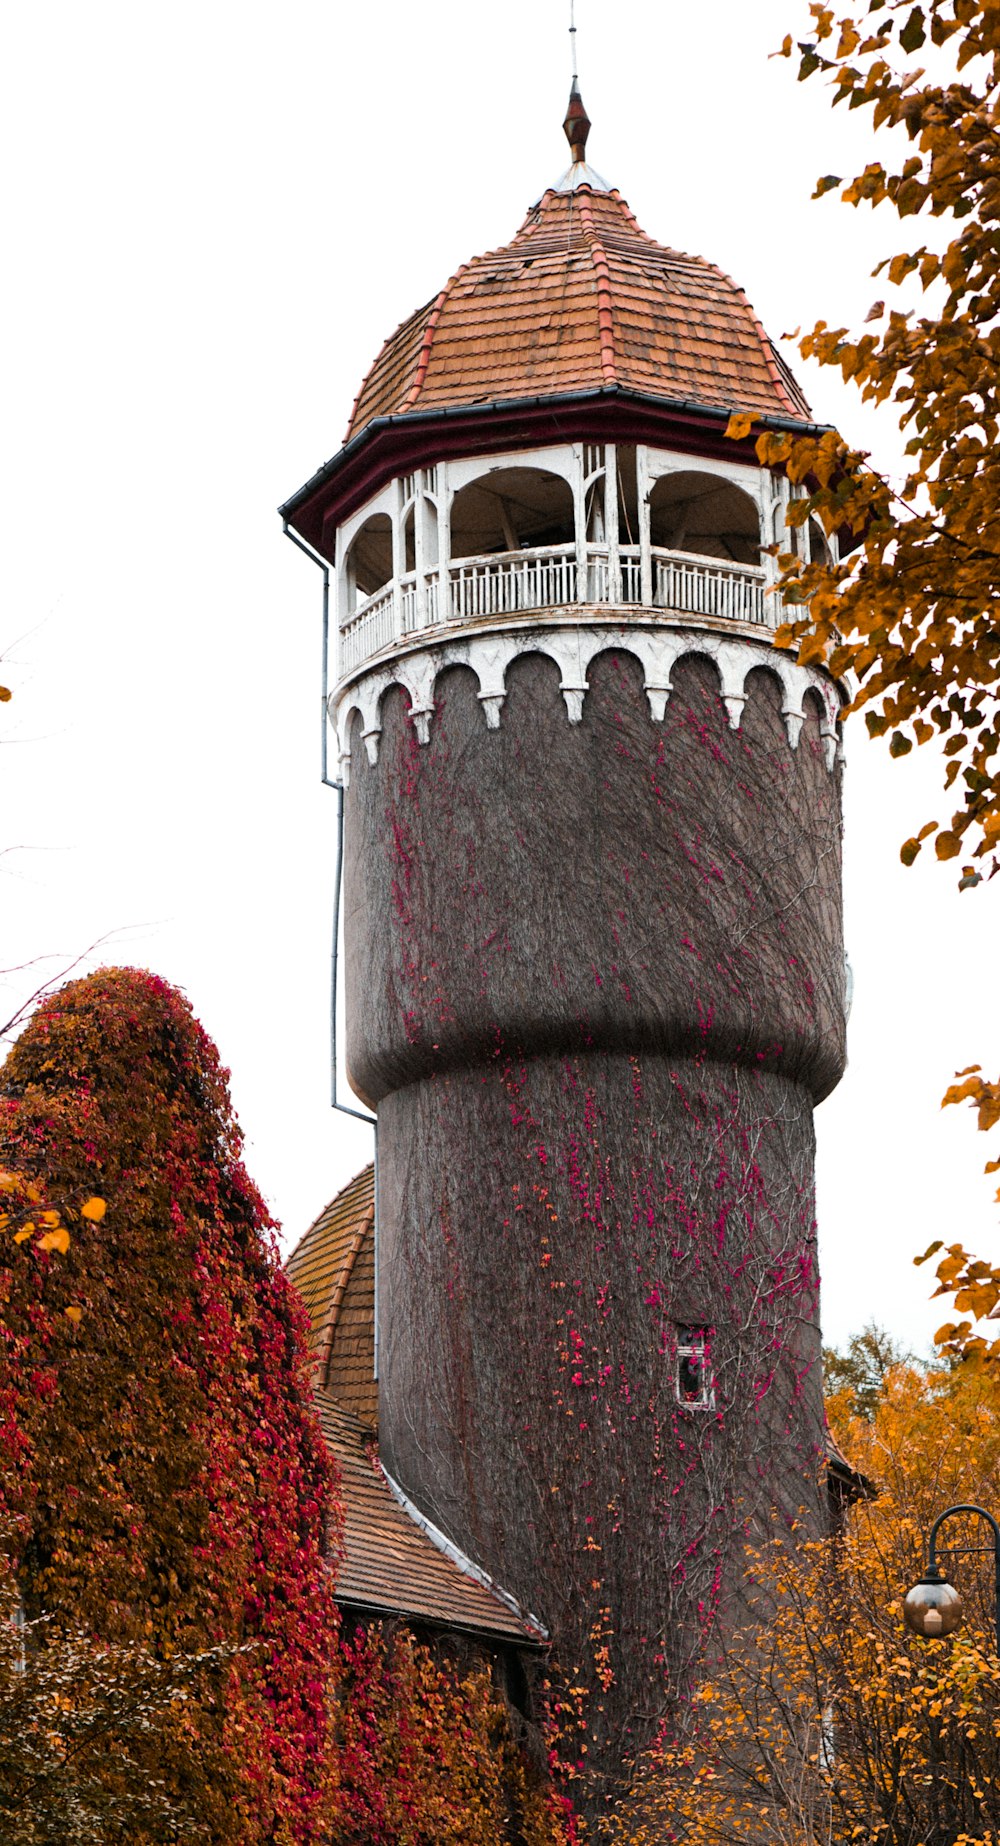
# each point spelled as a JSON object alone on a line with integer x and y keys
{"x": 366, "y": 1174}
{"x": 457, "y": 1556}
{"x": 428, "y": 340}
{"x": 628, "y": 213}
{"x": 605, "y": 313}
{"x": 765, "y": 343}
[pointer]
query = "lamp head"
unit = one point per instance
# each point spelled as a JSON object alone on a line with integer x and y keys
{"x": 933, "y": 1608}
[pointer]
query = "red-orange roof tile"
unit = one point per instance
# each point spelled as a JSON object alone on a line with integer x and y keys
{"x": 581, "y": 299}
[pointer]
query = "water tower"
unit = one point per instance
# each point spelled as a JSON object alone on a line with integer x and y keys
{"x": 592, "y": 929}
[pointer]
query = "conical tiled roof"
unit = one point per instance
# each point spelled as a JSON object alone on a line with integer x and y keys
{"x": 581, "y": 300}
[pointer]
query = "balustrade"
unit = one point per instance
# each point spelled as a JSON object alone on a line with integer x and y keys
{"x": 705, "y": 586}
{"x": 511, "y": 582}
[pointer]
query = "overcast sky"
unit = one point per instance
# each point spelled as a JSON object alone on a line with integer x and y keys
{"x": 213, "y": 215}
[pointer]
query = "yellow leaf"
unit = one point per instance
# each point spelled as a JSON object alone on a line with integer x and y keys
{"x": 55, "y": 1240}
{"x": 909, "y": 850}
{"x": 947, "y": 846}
{"x": 739, "y": 426}
{"x": 21, "y": 1236}
{"x": 74, "y": 1314}
{"x": 94, "y": 1210}
{"x": 5, "y": 694}
{"x": 931, "y": 1250}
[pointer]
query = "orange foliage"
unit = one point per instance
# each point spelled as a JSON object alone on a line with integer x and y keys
{"x": 910, "y": 611}
{"x": 823, "y": 1719}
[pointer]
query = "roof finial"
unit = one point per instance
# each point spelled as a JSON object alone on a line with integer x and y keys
{"x": 576, "y": 127}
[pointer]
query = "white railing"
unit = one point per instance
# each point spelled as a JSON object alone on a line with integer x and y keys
{"x": 705, "y": 586}
{"x": 409, "y": 606}
{"x": 507, "y": 581}
{"x": 599, "y": 587}
{"x": 366, "y": 631}
{"x": 630, "y": 560}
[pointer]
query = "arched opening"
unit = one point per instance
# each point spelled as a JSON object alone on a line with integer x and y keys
{"x": 369, "y": 560}
{"x": 820, "y": 550}
{"x": 704, "y": 514}
{"x": 511, "y": 509}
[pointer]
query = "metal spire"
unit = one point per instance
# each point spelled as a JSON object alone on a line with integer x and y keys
{"x": 576, "y": 128}
{"x": 577, "y": 124}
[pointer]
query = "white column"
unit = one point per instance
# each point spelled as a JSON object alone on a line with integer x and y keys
{"x": 580, "y": 520}
{"x": 611, "y": 522}
{"x": 341, "y": 602}
{"x": 420, "y": 555}
{"x": 444, "y": 543}
{"x": 643, "y": 486}
{"x": 398, "y": 561}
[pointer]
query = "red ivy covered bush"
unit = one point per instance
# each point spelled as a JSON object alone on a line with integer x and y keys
{"x": 162, "y": 1466}
{"x": 428, "y": 1755}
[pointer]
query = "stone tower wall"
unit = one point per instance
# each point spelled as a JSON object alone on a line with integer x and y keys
{"x": 595, "y": 986}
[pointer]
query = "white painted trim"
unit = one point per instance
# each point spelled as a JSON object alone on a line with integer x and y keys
{"x": 573, "y": 645}
{"x": 457, "y": 1557}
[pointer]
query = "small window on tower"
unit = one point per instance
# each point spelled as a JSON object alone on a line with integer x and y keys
{"x": 694, "y": 1378}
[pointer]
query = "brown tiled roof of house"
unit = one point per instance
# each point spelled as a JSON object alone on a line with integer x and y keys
{"x": 389, "y": 1563}
{"x": 333, "y": 1268}
{"x": 582, "y": 299}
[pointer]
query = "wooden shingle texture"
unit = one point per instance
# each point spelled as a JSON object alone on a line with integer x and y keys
{"x": 333, "y": 1268}
{"x": 581, "y": 299}
{"x": 389, "y": 1564}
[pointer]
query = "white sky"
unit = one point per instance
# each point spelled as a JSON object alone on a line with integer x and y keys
{"x": 213, "y": 215}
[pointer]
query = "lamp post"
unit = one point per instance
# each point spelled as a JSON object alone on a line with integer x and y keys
{"x": 933, "y": 1608}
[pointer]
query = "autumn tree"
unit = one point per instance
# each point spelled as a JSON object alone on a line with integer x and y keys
{"x": 164, "y": 1479}
{"x": 863, "y": 1369}
{"x": 910, "y": 611}
{"x": 822, "y": 1719}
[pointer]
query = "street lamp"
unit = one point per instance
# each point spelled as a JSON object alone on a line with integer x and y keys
{"x": 933, "y": 1608}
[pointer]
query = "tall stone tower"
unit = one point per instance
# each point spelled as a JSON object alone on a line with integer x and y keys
{"x": 595, "y": 970}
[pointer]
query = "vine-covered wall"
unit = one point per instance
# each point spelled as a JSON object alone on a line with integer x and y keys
{"x": 595, "y": 985}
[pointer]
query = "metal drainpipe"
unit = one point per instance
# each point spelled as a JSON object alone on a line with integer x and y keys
{"x": 341, "y": 1107}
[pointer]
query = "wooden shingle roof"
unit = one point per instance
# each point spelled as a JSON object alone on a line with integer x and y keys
{"x": 390, "y": 1564}
{"x": 581, "y": 300}
{"x": 333, "y": 1268}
